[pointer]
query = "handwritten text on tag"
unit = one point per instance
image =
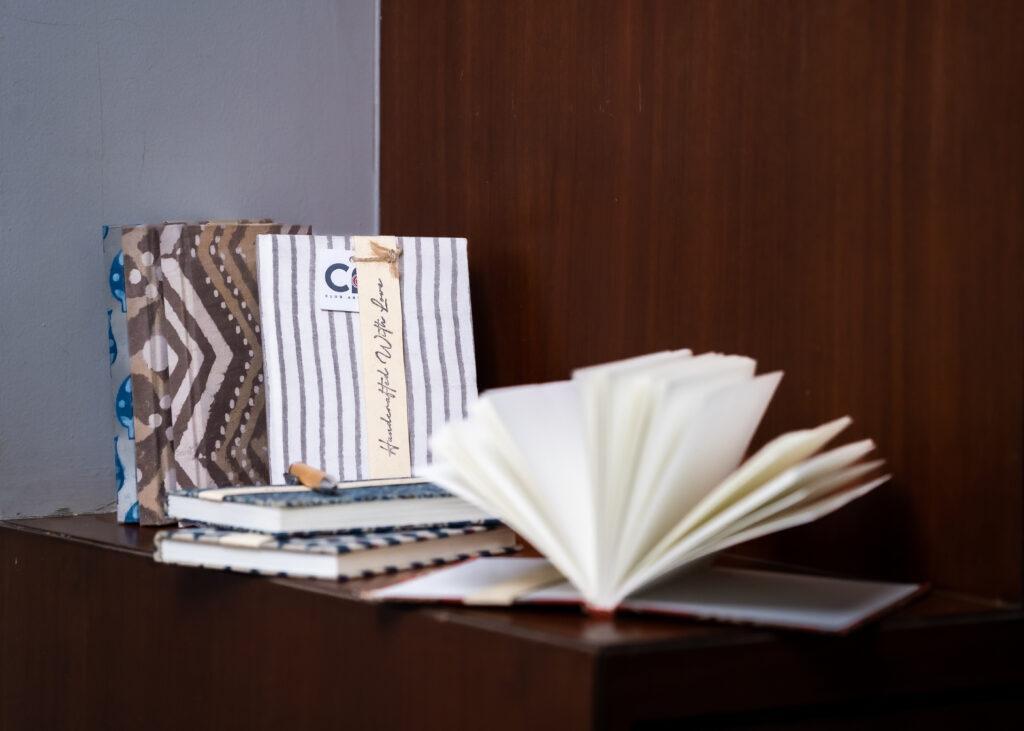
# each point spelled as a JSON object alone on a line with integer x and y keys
{"x": 382, "y": 341}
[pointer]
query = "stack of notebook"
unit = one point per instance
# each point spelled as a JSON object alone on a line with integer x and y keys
{"x": 366, "y": 528}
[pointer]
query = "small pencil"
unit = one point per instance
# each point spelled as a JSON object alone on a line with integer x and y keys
{"x": 311, "y": 477}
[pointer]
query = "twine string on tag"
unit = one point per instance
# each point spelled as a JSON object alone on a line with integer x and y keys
{"x": 383, "y": 254}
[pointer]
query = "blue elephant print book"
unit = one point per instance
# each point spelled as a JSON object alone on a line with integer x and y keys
{"x": 120, "y": 378}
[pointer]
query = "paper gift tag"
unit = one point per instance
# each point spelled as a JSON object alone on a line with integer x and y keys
{"x": 382, "y": 348}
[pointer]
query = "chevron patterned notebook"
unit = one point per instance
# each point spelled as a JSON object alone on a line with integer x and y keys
{"x": 338, "y": 557}
{"x": 315, "y": 410}
{"x": 211, "y": 306}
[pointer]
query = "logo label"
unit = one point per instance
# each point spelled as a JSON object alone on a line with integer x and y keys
{"x": 337, "y": 282}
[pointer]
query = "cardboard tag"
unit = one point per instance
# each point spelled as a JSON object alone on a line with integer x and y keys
{"x": 383, "y": 358}
{"x": 337, "y": 286}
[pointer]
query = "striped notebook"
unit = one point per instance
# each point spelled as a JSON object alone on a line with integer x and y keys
{"x": 341, "y": 557}
{"x": 311, "y": 355}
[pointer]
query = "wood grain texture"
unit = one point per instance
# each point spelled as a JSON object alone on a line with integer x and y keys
{"x": 95, "y": 638}
{"x": 834, "y": 188}
{"x": 95, "y": 634}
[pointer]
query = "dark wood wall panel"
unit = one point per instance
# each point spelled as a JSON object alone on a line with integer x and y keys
{"x": 836, "y": 188}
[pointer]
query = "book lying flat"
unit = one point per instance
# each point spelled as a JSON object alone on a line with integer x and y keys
{"x": 338, "y": 557}
{"x": 744, "y": 596}
{"x": 363, "y": 505}
{"x": 632, "y": 470}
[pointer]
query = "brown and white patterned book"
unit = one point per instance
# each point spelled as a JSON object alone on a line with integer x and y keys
{"x": 150, "y": 364}
{"x": 211, "y": 308}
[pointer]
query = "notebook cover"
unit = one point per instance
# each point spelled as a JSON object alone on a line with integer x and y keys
{"x": 211, "y": 306}
{"x": 120, "y": 378}
{"x": 331, "y": 544}
{"x": 304, "y": 498}
{"x": 148, "y": 345}
{"x": 312, "y": 359}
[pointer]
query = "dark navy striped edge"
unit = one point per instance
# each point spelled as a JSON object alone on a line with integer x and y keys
{"x": 333, "y": 544}
{"x": 309, "y": 499}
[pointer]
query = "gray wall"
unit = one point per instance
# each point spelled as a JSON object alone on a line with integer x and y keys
{"x": 121, "y": 112}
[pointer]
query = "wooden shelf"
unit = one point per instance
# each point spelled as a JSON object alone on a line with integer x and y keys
{"x": 95, "y": 628}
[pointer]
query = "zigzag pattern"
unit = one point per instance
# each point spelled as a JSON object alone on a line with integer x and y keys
{"x": 211, "y": 307}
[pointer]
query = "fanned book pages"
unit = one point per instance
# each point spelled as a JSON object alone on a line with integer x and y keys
{"x": 339, "y": 557}
{"x": 365, "y": 505}
{"x": 212, "y": 313}
{"x": 632, "y": 470}
{"x": 312, "y": 359}
{"x": 720, "y": 593}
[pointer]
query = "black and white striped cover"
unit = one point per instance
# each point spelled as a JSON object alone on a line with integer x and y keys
{"x": 332, "y": 545}
{"x": 312, "y": 365}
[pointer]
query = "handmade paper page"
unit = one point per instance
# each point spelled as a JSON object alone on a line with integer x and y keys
{"x": 632, "y": 470}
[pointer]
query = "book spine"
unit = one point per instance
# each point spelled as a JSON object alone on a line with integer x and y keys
{"x": 147, "y": 345}
{"x": 120, "y": 378}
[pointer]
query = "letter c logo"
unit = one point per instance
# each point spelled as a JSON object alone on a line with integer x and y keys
{"x": 329, "y": 276}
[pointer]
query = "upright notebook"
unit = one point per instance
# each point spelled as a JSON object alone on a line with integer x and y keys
{"x": 147, "y": 344}
{"x": 211, "y": 307}
{"x": 340, "y": 557}
{"x": 120, "y": 378}
{"x": 315, "y": 411}
{"x": 194, "y": 341}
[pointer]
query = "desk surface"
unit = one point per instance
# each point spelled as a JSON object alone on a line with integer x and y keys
{"x": 565, "y": 667}
{"x": 551, "y": 624}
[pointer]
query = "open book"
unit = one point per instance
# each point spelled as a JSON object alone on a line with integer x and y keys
{"x": 720, "y": 593}
{"x": 631, "y": 470}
